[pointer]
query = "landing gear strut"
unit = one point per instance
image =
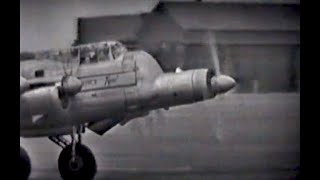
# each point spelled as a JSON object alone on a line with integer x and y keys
{"x": 25, "y": 164}
{"x": 76, "y": 161}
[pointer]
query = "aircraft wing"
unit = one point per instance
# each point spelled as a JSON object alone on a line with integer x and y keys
{"x": 38, "y": 82}
{"x": 24, "y": 85}
{"x": 44, "y": 81}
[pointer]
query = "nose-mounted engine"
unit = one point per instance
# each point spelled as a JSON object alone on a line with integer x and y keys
{"x": 190, "y": 86}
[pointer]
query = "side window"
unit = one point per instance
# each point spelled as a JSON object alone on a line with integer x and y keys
{"x": 100, "y": 55}
{"x": 39, "y": 73}
{"x": 88, "y": 55}
{"x": 117, "y": 50}
{"x": 93, "y": 56}
{"x": 83, "y": 56}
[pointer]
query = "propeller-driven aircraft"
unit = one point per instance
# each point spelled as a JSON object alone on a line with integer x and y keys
{"x": 98, "y": 86}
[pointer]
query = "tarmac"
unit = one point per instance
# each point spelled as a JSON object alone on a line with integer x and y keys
{"x": 237, "y": 136}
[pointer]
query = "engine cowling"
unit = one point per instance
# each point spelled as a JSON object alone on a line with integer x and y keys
{"x": 182, "y": 88}
{"x": 37, "y": 104}
{"x": 40, "y": 100}
{"x": 190, "y": 86}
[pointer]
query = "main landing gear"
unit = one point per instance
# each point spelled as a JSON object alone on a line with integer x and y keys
{"x": 25, "y": 164}
{"x": 76, "y": 161}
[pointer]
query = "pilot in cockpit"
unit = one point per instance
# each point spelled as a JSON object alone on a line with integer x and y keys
{"x": 104, "y": 51}
{"x": 116, "y": 50}
{"x": 88, "y": 55}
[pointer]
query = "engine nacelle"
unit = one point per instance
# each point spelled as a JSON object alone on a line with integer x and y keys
{"x": 182, "y": 88}
{"x": 37, "y": 104}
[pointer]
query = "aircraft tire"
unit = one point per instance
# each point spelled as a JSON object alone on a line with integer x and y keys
{"x": 84, "y": 167}
{"x": 25, "y": 164}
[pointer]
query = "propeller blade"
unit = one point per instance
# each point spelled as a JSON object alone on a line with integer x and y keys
{"x": 70, "y": 84}
{"x": 214, "y": 53}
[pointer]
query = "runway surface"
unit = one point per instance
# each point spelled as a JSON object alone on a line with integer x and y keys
{"x": 239, "y": 136}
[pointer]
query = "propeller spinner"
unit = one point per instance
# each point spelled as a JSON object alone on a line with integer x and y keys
{"x": 70, "y": 84}
{"x": 220, "y": 83}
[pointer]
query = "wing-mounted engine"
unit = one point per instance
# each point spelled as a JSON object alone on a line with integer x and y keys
{"x": 37, "y": 104}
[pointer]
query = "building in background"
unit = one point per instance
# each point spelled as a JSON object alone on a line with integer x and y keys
{"x": 258, "y": 41}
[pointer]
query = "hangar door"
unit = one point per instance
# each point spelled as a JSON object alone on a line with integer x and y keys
{"x": 96, "y": 29}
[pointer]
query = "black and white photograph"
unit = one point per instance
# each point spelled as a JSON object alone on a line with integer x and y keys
{"x": 159, "y": 89}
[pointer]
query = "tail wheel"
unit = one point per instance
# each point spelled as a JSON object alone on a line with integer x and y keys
{"x": 82, "y": 166}
{"x": 25, "y": 164}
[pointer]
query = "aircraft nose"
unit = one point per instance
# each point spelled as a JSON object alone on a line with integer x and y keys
{"x": 222, "y": 83}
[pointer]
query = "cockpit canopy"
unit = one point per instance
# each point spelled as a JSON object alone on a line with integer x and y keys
{"x": 88, "y": 53}
{"x": 103, "y": 51}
